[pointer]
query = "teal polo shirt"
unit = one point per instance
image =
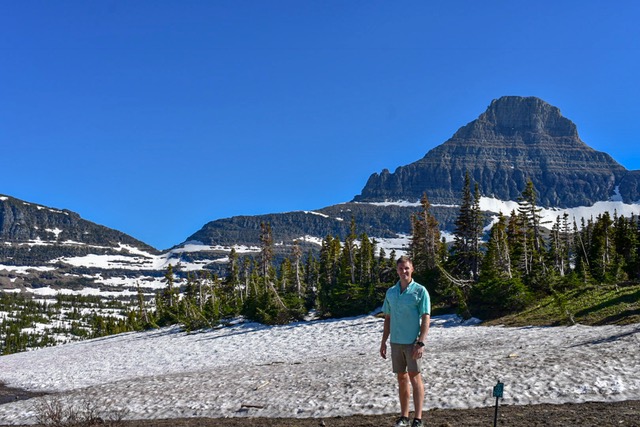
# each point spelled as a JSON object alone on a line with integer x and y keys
{"x": 405, "y": 309}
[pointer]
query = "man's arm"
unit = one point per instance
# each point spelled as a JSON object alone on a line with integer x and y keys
{"x": 385, "y": 336}
{"x": 424, "y": 327}
{"x": 418, "y": 350}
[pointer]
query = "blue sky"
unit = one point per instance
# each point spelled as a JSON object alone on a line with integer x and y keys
{"x": 156, "y": 117}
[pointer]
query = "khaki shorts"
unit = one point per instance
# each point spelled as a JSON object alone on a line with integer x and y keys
{"x": 402, "y": 358}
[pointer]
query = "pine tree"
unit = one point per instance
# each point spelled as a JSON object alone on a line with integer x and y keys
{"x": 142, "y": 308}
{"x": 329, "y": 269}
{"x": 497, "y": 262}
{"x": 428, "y": 252}
{"x": 296, "y": 254}
{"x": 560, "y": 245}
{"x": 311, "y": 278}
{"x": 466, "y": 255}
{"x": 232, "y": 280}
{"x": 581, "y": 242}
{"x": 602, "y": 256}
{"x": 270, "y": 308}
{"x": 425, "y": 240}
{"x": 266, "y": 251}
{"x": 627, "y": 242}
{"x": 532, "y": 245}
{"x": 367, "y": 276}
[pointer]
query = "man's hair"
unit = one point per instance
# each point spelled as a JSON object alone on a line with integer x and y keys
{"x": 404, "y": 258}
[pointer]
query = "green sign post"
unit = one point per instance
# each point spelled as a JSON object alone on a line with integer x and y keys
{"x": 498, "y": 391}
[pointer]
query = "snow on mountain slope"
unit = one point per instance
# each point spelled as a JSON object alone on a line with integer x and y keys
{"x": 549, "y": 215}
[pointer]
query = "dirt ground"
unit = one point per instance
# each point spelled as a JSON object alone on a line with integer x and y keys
{"x": 582, "y": 415}
{"x": 624, "y": 414}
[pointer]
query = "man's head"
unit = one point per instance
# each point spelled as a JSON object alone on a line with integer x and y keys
{"x": 404, "y": 268}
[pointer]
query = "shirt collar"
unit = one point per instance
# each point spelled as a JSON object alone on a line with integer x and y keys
{"x": 408, "y": 286}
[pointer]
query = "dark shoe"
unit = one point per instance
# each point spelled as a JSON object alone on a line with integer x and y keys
{"x": 402, "y": 422}
{"x": 416, "y": 423}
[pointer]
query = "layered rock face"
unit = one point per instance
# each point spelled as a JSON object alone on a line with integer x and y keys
{"x": 44, "y": 239}
{"x": 21, "y": 221}
{"x": 514, "y": 140}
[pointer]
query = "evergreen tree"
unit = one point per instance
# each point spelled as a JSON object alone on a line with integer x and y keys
{"x": 581, "y": 242}
{"x": 560, "y": 245}
{"x": 499, "y": 291}
{"x": 329, "y": 269}
{"x": 296, "y": 254}
{"x": 311, "y": 278}
{"x": 466, "y": 255}
{"x": 367, "y": 274}
{"x": 266, "y": 252}
{"x": 533, "y": 256}
{"x": 428, "y": 251}
{"x": 627, "y": 243}
{"x": 232, "y": 280}
{"x": 603, "y": 259}
{"x": 497, "y": 261}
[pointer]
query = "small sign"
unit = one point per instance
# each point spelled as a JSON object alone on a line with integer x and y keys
{"x": 498, "y": 389}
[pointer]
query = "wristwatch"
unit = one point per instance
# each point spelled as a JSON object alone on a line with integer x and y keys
{"x": 419, "y": 343}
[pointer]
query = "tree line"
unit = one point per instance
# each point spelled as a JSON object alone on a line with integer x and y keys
{"x": 485, "y": 273}
{"x": 27, "y": 323}
{"x": 345, "y": 278}
{"x": 522, "y": 258}
{"x": 482, "y": 273}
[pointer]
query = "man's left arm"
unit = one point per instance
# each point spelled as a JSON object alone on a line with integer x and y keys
{"x": 425, "y": 320}
{"x": 418, "y": 350}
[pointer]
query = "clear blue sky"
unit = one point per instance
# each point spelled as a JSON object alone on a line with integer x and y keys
{"x": 156, "y": 117}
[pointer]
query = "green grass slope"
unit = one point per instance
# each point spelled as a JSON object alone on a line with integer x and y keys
{"x": 590, "y": 305}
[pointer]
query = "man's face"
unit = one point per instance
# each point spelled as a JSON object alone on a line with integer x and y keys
{"x": 405, "y": 270}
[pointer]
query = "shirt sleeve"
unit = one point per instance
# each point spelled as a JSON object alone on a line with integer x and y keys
{"x": 386, "y": 308}
{"x": 425, "y": 303}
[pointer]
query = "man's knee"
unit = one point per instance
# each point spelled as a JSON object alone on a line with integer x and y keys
{"x": 415, "y": 378}
{"x": 403, "y": 377}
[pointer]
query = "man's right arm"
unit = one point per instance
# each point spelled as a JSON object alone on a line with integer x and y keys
{"x": 385, "y": 335}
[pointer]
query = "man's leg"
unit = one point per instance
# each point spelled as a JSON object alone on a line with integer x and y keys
{"x": 418, "y": 392}
{"x": 404, "y": 390}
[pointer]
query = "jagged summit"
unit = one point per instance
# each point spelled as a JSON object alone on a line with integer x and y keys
{"x": 515, "y": 139}
{"x": 529, "y": 118}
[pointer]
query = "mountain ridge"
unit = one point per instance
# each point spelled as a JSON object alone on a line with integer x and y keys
{"x": 515, "y": 139}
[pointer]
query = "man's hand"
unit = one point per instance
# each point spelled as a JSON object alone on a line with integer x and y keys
{"x": 418, "y": 351}
{"x": 383, "y": 350}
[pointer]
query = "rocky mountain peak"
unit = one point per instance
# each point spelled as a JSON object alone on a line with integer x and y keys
{"x": 524, "y": 116}
{"x": 515, "y": 140}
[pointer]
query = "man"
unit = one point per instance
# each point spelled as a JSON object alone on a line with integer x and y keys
{"x": 407, "y": 309}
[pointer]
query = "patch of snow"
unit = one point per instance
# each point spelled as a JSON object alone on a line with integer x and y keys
{"x": 24, "y": 269}
{"x": 400, "y": 244}
{"x": 448, "y": 236}
{"x": 617, "y": 197}
{"x": 311, "y": 239}
{"x": 317, "y": 213}
{"x": 549, "y": 215}
{"x": 403, "y": 203}
{"x": 323, "y": 369}
{"x": 55, "y": 231}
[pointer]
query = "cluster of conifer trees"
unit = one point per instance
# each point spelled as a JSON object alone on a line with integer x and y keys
{"x": 28, "y": 323}
{"x": 482, "y": 274}
{"x": 346, "y": 278}
{"x": 521, "y": 260}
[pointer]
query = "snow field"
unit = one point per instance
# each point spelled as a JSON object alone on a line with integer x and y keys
{"x": 324, "y": 368}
